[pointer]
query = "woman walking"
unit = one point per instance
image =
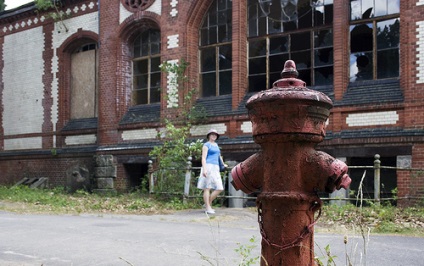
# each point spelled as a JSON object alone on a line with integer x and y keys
{"x": 210, "y": 177}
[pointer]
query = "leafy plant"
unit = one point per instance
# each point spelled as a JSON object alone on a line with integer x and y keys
{"x": 328, "y": 257}
{"x": 177, "y": 148}
{"x": 57, "y": 15}
{"x": 245, "y": 251}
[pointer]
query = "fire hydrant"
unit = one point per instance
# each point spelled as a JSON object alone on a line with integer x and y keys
{"x": 288, "y": 121}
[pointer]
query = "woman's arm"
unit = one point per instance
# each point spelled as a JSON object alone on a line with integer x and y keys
{"x": 204, "y": 155}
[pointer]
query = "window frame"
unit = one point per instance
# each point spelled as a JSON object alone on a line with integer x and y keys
{"x": 221, "y": 33}
{"x": 313, "y": 27}
{"x": 373, "y": 21}
{"x": 148, "y": 58}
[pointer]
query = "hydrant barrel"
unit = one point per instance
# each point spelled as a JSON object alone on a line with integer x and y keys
{"x": 288, "y": 121}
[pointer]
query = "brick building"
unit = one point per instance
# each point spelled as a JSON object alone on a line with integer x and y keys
{"x": 83, "y": 96}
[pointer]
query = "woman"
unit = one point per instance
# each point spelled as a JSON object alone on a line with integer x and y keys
{"x": 210, "y": 177}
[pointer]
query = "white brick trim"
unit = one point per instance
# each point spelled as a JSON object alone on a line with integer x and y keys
{"x": 372, "y": 119}
{"x": 138, "y": 134}
{"x": 156, "y": 8}
{"x": 420, "y": 51}
{"x": 23, "y": 143}
{"x": 171, "y": 87}
{"x": 28, "y": 22}
{"x": 81, "y": 140}
{"x": 174, "y": 10}
{"x": 246, "y": 127}
{"x": 202, "y": 130}
{"x": 173, "y": 41}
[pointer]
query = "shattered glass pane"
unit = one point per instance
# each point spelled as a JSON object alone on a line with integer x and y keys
{"x": 361, "y": 66}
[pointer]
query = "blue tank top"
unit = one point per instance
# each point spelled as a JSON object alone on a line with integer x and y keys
{"x": 213, "y": 153}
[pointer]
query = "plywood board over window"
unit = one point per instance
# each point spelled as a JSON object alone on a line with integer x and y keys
{"x": 83, "y": 91}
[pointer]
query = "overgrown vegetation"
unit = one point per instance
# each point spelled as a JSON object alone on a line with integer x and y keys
{"x": 51, "y": 9}
{"x": 57, "y": 200}
{"x": 246, "y": 252}
{"x": 171, "y": 157}
{"x": 382, "y": 219}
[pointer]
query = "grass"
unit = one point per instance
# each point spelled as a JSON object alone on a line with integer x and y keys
{"x": 382, "y": 219}
{"x": 57, "y": 201}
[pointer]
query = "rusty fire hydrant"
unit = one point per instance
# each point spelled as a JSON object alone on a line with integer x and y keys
{"x": 288, "y": 121}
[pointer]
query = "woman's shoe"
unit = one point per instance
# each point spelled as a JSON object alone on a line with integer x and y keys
{"x": 210, "y": 211}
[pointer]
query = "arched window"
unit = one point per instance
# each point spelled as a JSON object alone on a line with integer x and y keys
{"x": 300, "y": 30}
{"x": 146, "y": 70}
{"x": 84, "y": 63}
{"x": 215, "y": 50}
{"x": 374, "y": 39}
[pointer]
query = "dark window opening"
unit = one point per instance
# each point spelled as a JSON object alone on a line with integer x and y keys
{"x": 146, "y": 68}
{"x": 137, "y": 178}
{"x": 374, "y": 39}
{"x": 216, "y": 50}
{"x": 298, "y": 30}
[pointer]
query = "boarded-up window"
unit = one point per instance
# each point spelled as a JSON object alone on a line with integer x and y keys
{"x": 84, "y": 83}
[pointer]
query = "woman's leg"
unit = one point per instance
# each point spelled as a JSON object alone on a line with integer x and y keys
{"x": 213, "y": 196}
{"x": 206, "y": 198}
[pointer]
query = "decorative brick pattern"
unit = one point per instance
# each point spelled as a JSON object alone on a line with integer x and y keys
{"x": 202, "y": 130}
{"x": 372, "y": 119}
{"x": 23, "y": 143}
{"x": 420, "y": 51}
{"x": 156, "y": 8}
{"x": 172, "y": 90}
{"x": 138, "y": 134}
{"x": 173, "y": 41}
{"x": 23, "y": 86}
{"x": 27, "y": 23}
{"x": 246, "y": 127}
{"x": 174, "y": 10}
{"x": 81, "y": 139}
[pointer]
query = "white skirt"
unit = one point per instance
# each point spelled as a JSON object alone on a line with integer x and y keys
{"x": 212, "y": 180}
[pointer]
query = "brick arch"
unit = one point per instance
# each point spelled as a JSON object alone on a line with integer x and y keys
{"x": 127, "y": 32}
{"x": 136, "y": 23}
{"x": 64, "y": 53}
{"x": 197, "y": 12}
{"x": 77, "y": 39}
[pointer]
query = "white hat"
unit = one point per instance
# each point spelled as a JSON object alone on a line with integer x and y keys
{"x": 212, "y": 131}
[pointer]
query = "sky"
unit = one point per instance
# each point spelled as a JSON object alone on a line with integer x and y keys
{"x": 15, "y": 3}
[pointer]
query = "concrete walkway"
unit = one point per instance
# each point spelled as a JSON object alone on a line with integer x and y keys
{"x": 183, "y": 238}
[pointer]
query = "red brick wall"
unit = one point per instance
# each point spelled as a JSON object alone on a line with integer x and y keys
{"x": 14, "y": 169}
{"x": 108, "y": 101}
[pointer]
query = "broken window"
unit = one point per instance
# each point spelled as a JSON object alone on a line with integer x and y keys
{"x": 374, "y": 40}
{"x": 216, "y": 50}
{"x": 84, "y": 82}
{"x": 288, "y": 29}
{"x": 146, "y": 68}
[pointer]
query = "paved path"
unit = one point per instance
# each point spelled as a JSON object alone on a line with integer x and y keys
{"x": 183, "y": 238}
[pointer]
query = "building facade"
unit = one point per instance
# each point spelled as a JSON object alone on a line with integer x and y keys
{"x": 84, "y": 95}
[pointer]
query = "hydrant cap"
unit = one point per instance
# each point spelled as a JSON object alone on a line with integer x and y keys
{"x": 289, "y": 107}
{"x": 289, "y": 70}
